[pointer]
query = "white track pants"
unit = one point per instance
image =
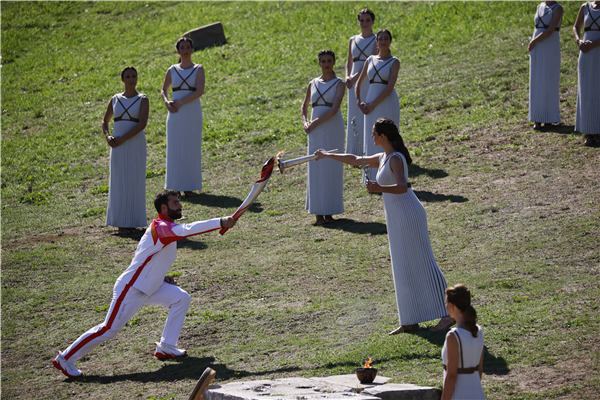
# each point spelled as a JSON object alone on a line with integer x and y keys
{"x": 125, "y": 303}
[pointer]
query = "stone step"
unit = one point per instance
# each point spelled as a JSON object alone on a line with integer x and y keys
{"x": 336, "y": 387}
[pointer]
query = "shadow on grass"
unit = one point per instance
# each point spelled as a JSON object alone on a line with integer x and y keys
{"x": 415, "y": 170}
{"x": 560, "y": 128}
{"x": 348, "y": 225}
{"x": 492, "y": 365}
{"x": 211, "y": 200}
{"x": 185, "y": 368}
{"x": 431, "y": 197}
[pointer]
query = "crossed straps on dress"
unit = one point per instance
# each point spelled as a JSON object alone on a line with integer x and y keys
{"x": 190, "y": 87}
{"x": 120, "y": 117}
{"x": 462, "y": 370}
{"x": 543, "y": 24}
{"x": 594, "y": 20}
{"x": 383, "y": 81}
{"x": 327, "y": 104}
{"x": 362, "y": 50}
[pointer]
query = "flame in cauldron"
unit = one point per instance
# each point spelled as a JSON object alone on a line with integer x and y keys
{"x": 368, "y": 363}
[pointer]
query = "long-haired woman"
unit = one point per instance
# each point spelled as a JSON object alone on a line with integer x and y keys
{"x": 325, "y": 129}
{"x": 184, "y": 121}
{"x": 127, "y": 184}
{"x": 418, "y": 281}
{"x": 381, "y": 101}
{"x": 463, "y": 350}
{"x": 360, "y": 48}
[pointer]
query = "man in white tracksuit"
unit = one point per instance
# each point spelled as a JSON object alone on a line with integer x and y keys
{"x": 145, "y": 283}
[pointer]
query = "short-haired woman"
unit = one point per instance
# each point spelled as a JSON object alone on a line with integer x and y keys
{"x": 360, "y": 48}
{"x": 381, "y": 101}
{"x": 127, "y": 184}
{"x": 184, "y": 121}
{"x": 325, "y": 129}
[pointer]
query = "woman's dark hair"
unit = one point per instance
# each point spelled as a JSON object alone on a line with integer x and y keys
{"x": 326, "y": 52}
{"x": 125, "y": 69}
{"x": 383, "y": 31}
{"x": 387, "y": 127}
{"x": 184, "y": 39}
{"x": 366, "y": 11}
{"x": 460, "y": 296}
{"x": 163, "y": 198}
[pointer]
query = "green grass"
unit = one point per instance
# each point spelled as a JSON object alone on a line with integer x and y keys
{"x": 512, "y": 213}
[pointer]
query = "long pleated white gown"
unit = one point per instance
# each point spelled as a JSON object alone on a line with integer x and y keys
{"x": 587, "y": 119}
{"x": 184, "y": 135}
{"x": 325, "y": 183}
{"x": 468, "y": 386}
{"x": 379, "y": 74}
{"x": 127, "y": 184}
{"x": 544, "y": 70}
{"x": 361, "y": 48}
{"x": 419, "y": 283}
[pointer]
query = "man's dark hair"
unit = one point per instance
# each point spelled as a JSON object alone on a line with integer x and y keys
{"x": 163, "y": 198}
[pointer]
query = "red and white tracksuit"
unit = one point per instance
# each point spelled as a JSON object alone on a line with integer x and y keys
{"x": 143, "y": 283}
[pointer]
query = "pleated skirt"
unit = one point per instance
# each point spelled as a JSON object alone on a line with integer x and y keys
{"x": 388, "y": 108}
{"x": 184, "y": 146}
{"x": 587, "y": 119}
{"x": 355, "y": 131}
{"x": 325, "y": 183}
{"x": 127, "y": 183}
{"x": 544, "y": 79}
{"x": 419, "y": 283}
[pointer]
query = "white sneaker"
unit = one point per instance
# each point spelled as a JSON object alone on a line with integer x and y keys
{"x": 164, "y": 350}
{"x": 66, "y": 367}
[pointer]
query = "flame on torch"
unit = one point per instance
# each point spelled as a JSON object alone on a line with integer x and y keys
{"x": 368, "y": 363}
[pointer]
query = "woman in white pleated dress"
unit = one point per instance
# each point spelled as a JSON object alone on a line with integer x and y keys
{"x": 127, "y": 184}
{"x": 381, "y": 101}
{"x": 360, "y": 48}
{"x": 544, "y": 65}
{"x": 325, "y": 129}
{"x": 587, "y": 119}
{"x": 418, "y": 281}
{"x": 462, "y": 353}
{"x": 184, "y": 121}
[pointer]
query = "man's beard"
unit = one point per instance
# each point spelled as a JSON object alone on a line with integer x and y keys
{"x": 173, "y": 214}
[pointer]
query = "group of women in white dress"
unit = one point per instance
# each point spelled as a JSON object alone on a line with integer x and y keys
{"x": 127, "y": 185}
{"x": 544, "y": 72}
{"x": 373, "y": 141}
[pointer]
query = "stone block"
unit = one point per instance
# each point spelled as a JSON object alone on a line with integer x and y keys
{"x": 338, "y": 387}
{"x": 207, "y": 36}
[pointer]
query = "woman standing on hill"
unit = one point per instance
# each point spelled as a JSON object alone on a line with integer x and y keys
{"x": 127, "y": 184}
{"x": 184, "y": 121}
{"x": 359, "y": 48}
{"x": 462, "y": 353}
{"x": 544, "y": 65}
{"x": 418, "y": 281}
{"x": 587, "y": 120}
{"x": 381, "y": 101}
{"x": 325, "y": 129}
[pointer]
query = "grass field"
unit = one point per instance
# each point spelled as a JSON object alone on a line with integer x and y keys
{"x": 512, "y": 213}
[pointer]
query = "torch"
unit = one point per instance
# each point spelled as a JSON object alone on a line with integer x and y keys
{"x": 265, "y": 174}
{"x": 283, "y": 165}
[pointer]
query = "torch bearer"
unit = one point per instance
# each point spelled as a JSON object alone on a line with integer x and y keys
{"x": 283, "y": 165}
{"x": 265, "y": 174}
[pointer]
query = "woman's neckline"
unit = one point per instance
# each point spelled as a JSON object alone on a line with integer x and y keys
{"x": 185, "y": 69}
{"x": 130, "y": 97}
{"x": 328, "y": 80}
{"x": 366, "y": 37}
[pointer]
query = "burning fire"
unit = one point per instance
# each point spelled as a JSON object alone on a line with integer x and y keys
{"x": 368, "y": 363}
{"x": 278, "y": 154}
